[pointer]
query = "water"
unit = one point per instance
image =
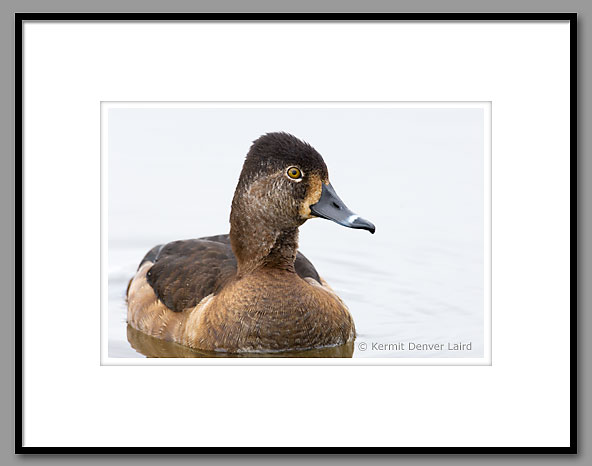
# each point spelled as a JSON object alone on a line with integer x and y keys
{"x": 420, "y": 297}
{"x": 418, "y": 281}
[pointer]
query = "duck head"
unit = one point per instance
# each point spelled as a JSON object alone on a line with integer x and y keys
{"x": 285, "y": 182}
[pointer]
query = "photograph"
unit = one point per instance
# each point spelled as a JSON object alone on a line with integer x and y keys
{"x": 309, "y": 230}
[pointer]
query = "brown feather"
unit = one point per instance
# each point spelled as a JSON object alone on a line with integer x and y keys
{"x": 250, "y": 291}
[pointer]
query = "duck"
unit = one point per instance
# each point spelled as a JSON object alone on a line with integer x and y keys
{"x": 251, "y": 290}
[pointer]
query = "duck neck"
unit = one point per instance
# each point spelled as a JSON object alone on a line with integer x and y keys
{"x": 257, "y": 246}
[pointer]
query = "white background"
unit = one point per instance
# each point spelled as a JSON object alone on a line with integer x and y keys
{"x": 521, "y": 400}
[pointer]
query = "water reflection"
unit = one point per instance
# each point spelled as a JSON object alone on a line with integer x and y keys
{"x": 156, "y": 348}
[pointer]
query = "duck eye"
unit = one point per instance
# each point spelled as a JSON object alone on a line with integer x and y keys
{"x": 294, "y": 173}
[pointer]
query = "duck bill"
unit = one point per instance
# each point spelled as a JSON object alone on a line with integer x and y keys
{"x": 333, "y": 208}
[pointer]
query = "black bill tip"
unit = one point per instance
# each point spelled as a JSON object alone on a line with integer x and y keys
{"x": 362, "y": 224}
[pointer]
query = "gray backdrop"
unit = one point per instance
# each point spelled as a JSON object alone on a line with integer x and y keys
{"x": 7, "y": 196}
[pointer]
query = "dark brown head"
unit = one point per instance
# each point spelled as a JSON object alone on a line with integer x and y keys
{"x": 284, "y": 182}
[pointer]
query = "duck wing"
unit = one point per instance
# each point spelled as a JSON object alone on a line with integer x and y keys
{"x": 185, "y": 272}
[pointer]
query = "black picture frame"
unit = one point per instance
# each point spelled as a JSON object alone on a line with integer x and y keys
{"x": 20, "y": 18}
